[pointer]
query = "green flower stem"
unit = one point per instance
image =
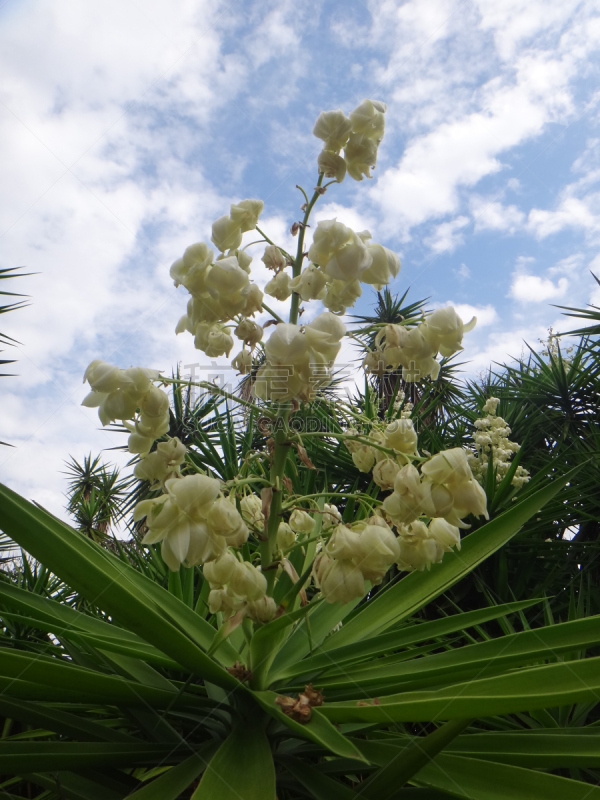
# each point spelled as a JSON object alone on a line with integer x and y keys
{"x": 280, "y": 453}
{"x": 300, "y": 252}
{"x": 271, "y": 312}
{"x": 216, "y": 390}
{"x": 326, "y": 495}
{"x": 270, "y": 241}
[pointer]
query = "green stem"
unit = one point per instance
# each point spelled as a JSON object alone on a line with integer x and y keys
{"x": 280, "y": 454}
{"x": 216, "y": 390}
{"x": 266, "y": 238}
{"x": 271, "y": 312}
{"x": 297, "y": 266}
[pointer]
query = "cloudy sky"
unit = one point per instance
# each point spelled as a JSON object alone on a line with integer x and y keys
{"x": 126, "y": 128}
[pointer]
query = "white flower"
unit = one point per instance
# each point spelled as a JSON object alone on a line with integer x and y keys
{"x": 348, "y": 263}
{"x": 449, "y": 466}
{"x": 310, "y": 284}
{"x": 254, "y": 301}
{"x": 243, "y": 362}
{"x": 341, "y": 581}
{"x": 227, "y": 277}
{"x": 196, "y": 258}
{"x": 279, "y": 287}
{"x": 220, "y": 571}
{"x": 384, "y": 473}
{"x": 163, "y": 463}
{"x": 225, "y": 520}
{"x": 417, "y": 550}
{"x": 246, "y": 213}
{"x": 301, "y": 522}
{"x": 331, "y": 516}
{"x": 329, "y": 236}
{"x": 469, "y": 498}
{"x": 286, "y": 537}
{"x": 368, "y": 119}
{"x": 378, "y": 550}
{"x": 444, "y": 330}
{"x": 448, "y": 536}
{"x": 490, "y": 405}
{"x": 249, "y": 332}
{"x": 401, "y": 435}
{"x": 385, "y": 265}
{"x": 333, "y": 127}
{"x": 274, "y": 258}
{"x": 331, "y": 165}
{"x": 341, "y": 295}
{"x": 226, "y": 234}
{"x": 262, "y": 610}
{"x": 248, "y": 582}
{"x": 103, "y": 377}
{"x": 360, "y": 154}
{"x": 251, "y": 506}
{"x": 324, "y": 334}
{"x": 344, "y": 543}
{"x": 364, "y": 458}
{"x": 213, "y": 339}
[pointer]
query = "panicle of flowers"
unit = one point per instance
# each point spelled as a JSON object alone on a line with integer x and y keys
{"x": 492, "y": 443}
{"x": 552, "y": 349}
{"x": 415, "y": 349}
{"x": 220, "y": 288}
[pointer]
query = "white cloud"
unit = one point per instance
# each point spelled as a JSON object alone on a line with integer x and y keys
{"x": 571, "y": 213}
{"x": 486, "y": 315}
{"x": 533, "y": 289}
{"x": 491, "y": 215}
{"x": 448, "y": 235}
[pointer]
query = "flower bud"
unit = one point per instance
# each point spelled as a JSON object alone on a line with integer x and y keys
{"x": 417, "y": 550}
{"x": 301, "y": 522}
{"x": 226, "y": 234}
{"x": 222, "y": 600}
{"x": 251, "y": 506}
{"x": 331, "y": 516}
{"x": 368, "y": 119}
{"x": 254, "y": 301}
{"x": 331, "y": 165}
{"x": 343, "y": 544}
{"x": 286, "y": 537}
{"x": 470, "y": 498}
{"x": 364, "y": 458}
{"x": 262, "y": 610}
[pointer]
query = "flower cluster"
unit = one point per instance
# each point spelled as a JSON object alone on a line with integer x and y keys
{"x": 493, "y": 444}
{"x": 298, "y": 360}
{"x": 414, "y": 349}
{"x": 359, "y": 135}
{"x": 367, "y": 453}
{"x": 353, "y": 554}
{"x": 163, "y": 463}
{"x": 129, "y": 394}
{"x": 237, "y": 585}
{"x": 221, "y": 289}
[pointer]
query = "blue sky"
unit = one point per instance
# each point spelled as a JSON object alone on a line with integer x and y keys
{"x": 126, "y": 128}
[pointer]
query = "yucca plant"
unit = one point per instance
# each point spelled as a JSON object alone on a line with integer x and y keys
{"x": 285, "y": 635}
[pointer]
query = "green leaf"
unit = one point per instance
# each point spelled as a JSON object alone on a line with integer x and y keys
{"x": 419, "y": 588}
{"x": 170, "y": 785}
{"x": 320, "y": 786}
{"x": 49, "y": 675}
{"x": 522, "y": 690}
{"x": 471, "y": 660}
{"x": 318, "y": 730}
{"x": 399, "y": 770}
{"x": 476, "y": 779}
{"x": 59, "y": 721}
{"x": 22, "y": 757}
{"x": 108, "y": 582}
{"x": 241, "y": 769}
{"x": 388, "y": 642}
{"x": 571, "y": 747}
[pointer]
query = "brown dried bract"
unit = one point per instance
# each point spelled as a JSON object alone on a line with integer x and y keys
{"x": 266, "y": 496}
{"x": 303, "y": 456}
{"x": 287, "y": 482}
{"x": 264, "y": 425}
{"x": 240, "y": 672}
{"x": 295, "y": 228}
{"x": 300, "y": 709}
